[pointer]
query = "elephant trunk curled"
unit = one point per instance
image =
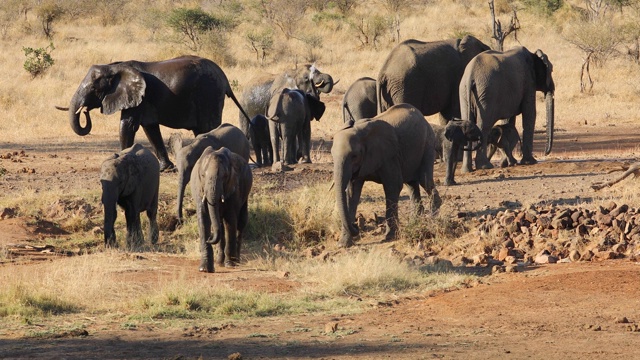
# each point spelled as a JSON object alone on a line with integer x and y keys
{"x": 550, "y": 105}
{"x": 76, "y": 107}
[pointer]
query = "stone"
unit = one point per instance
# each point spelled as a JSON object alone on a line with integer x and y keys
{"x": 480, "y": 259}
{"x": 621, "y": 320}
{"x": 619, "y": 248}
{"x": 331, "y": 327}
{"x": 511, "y": 268}
{"x": 605, "y": 255}
{"x": 574, "y": 255}
{"x": 546, "y": 259}
{"x": 496, "y": 269}
{"x": 235, "y": 356}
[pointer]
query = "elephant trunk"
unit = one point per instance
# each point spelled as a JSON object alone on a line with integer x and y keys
{"x": 342, "y": 178}
{"x": 324, "y": 83}
{"x": 109, "y": 202}
{"x": 214, "y": 200}
{"x": 550, "y": 104}
{"x": 77, "y": 106}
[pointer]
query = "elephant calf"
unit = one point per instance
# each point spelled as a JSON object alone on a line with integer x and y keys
{"x": 259, "y": 136}
{"x": 220, "y": 184}
{"x": 130, "y": 179}
{"x": 225, "y": 135}
{"x": 504, "y": 137}
{"x": 456, "y": 136}
{"x": 360, "y": 102}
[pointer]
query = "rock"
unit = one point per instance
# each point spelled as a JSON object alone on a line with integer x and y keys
{"x": 497, "y": 269}
{"x": 284, "y": 274}
{"x": 235, "y": 356}
{"x": 480, "y": 259}
{"x": 619, "y": 248}
{"x": 545, "y": 258}
{"x": 574, "y": 255}
{"x": 331, "y": 327}
{"x": 605, "y": 255}
{"x": 587, "y": 256}
{"x": 511, "y": 268}
{"x": 7, "y": 213}
{"x": 510, "y": 260}
{"x": 619, "y": 210}
{"x": 621, "y": 320}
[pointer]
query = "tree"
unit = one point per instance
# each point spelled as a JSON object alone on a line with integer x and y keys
{"x": 193, "y": 24}
{"x": 284, "y": 14}
{"x": 395, "y": 7}
{"x": 260, "y": 42}
{"x": 498, "y": 34}
{"x": 369, "y": 29}
{"x": 48, "y": 12}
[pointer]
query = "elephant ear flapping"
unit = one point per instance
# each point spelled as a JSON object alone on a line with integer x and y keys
{"x": 127, "y": 90}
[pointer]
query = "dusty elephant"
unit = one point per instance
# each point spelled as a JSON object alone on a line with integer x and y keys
{"x": 259, "y": 91}
{"x": 458, "y": 135}
{"x": 225, "y": 135}
{"x": 359, "y": 102}
{"x": 291, "y": 112}
{"x": 131, "y": 180}
{"x": 220, "y": 184}
{"x": 392, "y": 149}
{"x": 504, "y": 137}
{"x": 426, "y": 75}
{"x": 187, "y": 92}
{"x": 500, "y": 85}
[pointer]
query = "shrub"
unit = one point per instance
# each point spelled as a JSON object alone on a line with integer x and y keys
{"x": 38, "y": 60}
{"x": 193, "y": 24}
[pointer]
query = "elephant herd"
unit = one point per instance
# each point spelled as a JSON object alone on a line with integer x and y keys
{"x": 386, "y": 138}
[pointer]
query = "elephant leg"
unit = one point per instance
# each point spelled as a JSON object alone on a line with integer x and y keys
{"x": 482, "y": 162}
{"x": 427, "y": 182}
{"x": 391, "y": 214}
{"x": 257, "y": 149}
{"x": 230, "y": 250}
{"x": 274, "y": 133}
{"x": 414, "y": 196}
{"x": 152, "y": 214}
{"x": 450, "y": 157}
{"x": 128, "y": 128}
{"x": 134, "y": 228}
{"x": 350, "y": 229}
{"x": 220, "y": 249}
{"x": 528, "y": 127}
{"x": 243, "y": 219}
{"x": 467, "y": 162}
{"x": 305, "y": 142}
{"x": 155, "y": 138}
{"x": 204, "y": 229}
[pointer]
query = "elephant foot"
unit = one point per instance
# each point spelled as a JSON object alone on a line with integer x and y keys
{"x": 345, "y": 241}
{"x": 466, "y": 170}
{"x": 167, "y": 166}
{"x": 528, "y": 160}
{"x": 230, "y": 264}
{"x": 206, "y": 267}
{"x": 484, "y": 166}
{"x": 436, "y": 201}
{"x": 304, "y": 160}
{"x": 504, "y": 163}
{"x": 390, "y": 235}
{"x": 451, "y": 182}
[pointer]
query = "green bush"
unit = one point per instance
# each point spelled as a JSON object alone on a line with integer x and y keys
{"x": 193, "y": 24}
{"x": 38, "y": 60}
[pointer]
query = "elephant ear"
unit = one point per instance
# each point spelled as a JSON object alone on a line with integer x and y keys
{"x": 454, "y": 133}
{"x": 543, "y": 69}
{"x": 379, "y": 143}
{"x": 316, "y": 106}
{"x": 127, "y": 90}
{"x": 128, "y": 175}
{"x": 231, "y": 182}
{"x": 469, "y": 47}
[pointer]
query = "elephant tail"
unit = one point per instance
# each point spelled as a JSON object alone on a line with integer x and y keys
{"x": 347, "y": 116}
{"x": 232, "y": 96}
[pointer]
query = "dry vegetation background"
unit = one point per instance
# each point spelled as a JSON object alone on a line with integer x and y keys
{"x": 99, "y": 32}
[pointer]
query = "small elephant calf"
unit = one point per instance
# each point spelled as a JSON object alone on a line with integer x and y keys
{"x": 458, "y": 134}
{"x": 220, "y": 184}
{"x": 130, "y": 179}
{"x": 504, "y": 137}
{"x": 259, "y": 136}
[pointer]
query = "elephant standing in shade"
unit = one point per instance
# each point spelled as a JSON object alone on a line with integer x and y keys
{"x": 500, "y": 85}
{"x": 131, "y": 180}
{"x": 359, "y": 102}
{"x": 456, "y": 136}
{"x": 427, "y": 75}
{"x": 259, "y": 91}
{"x": 504, "y": 137}
{"x": 260, "y": 140}
{"x": 220, "y": 184}
{"x": 187, "y": 92}
{"x": 291, "y": 112}
{"x": 225, "y": 135}
{"x": 392, "y": 149}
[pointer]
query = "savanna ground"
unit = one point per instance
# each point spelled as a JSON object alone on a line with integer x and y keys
{"x": 62, "y": 295}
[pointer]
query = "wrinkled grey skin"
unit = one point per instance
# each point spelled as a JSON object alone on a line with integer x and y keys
{"x": 131, "y": 180}
{"x": 220, "y": 184}
{"x": 504, "y": 137}
{"x": 187, "y": 92}
{"x": 458, "y": 135}
{"x": 392, "y": 149}
{"x": 359, "y": 102}
{"x": 260, "y": 90}
{"x": 500, "y": 85}
{"x": 427, "y": 75}
{"x": 291, "y": 112}
{"x": 225, "y": 135}
{"x": 260, "y": 140}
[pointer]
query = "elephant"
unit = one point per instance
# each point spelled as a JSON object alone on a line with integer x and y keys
{"x": 291, "y": 112}
{"x": 261, "y": 89}
{"x": 187, "y": 92}
{"x": 131, "y": 180}
{"x": 426, "y": 75}
{"x": 260, "y": 140}
{"x": 360, "y": 101}
{"x": 225, "y": 135}
{"x": 457, "y": 135}
{"x": 504, "y": 137}
{"x": 392, "y": 149}
{"x": 220, "y": 185}
{"x": 501, "y": 85}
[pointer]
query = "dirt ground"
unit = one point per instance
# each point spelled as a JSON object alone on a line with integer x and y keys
{"x": 585, "y": 310}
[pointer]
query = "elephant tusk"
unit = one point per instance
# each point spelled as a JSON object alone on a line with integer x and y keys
{"x": 61, "y": 108}
{"x": 222, "y": 199}
{"x": 336, "y": 82}
{"x": 82, "y": 108}
{"x": 320, "y": 84}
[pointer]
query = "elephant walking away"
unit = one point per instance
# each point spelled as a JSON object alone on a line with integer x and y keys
{"x": 291, "y": 112}
{"x": 504, "y": 137}
{"x": 457, "y": 135}
{"x": 259, "y": 91}
{"x": 225, "y": 135}
{"x": 392, "y": 149}
{"x": 187, "y": 92}
{"x": 360, "y": 101}
{"x": 501, "y": 85}
{"x": 131, "y": 180}
{"x": 220, "y": 185}
{"x": 426, "y": 75}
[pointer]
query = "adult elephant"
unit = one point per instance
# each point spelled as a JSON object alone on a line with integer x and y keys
{"x": 291, "y": 112}
{"x": 394, "y": 148}
{"x": 187, "y": 92}
{"x": 427, "y": 75}
{"x": 259, "y": 91}
{"x": 359, "y": 102}
{"x": 500, "y": 85}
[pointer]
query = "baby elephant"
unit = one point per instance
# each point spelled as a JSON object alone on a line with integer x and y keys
{"x": 130, "y": 179}
{"x": 458, "y": 135}
{"x": 220, "y": 183}
{"x": 259, "y": 136}
{"x": 504, "y": 137}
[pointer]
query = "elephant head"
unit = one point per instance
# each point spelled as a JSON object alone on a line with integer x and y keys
{"x": 308, "y": 79}
{"x": 544, "y": 83}
{"x": 462, "y": 132}
{"x": 111, "y": 88}
{"x": 218, "y": 182}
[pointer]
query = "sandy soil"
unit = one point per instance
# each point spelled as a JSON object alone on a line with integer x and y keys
{"x": 586, "y": 310}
